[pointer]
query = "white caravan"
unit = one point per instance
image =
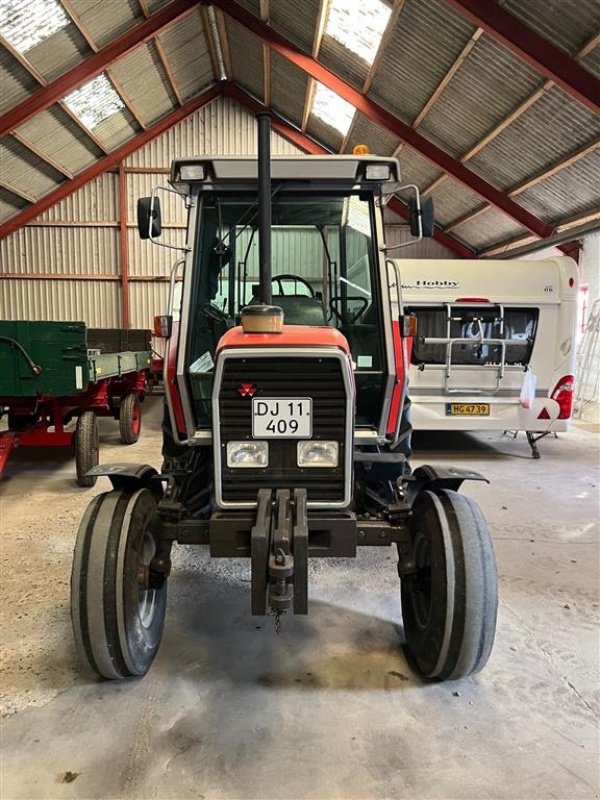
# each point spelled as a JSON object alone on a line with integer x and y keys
{"x": 495, "y": 345}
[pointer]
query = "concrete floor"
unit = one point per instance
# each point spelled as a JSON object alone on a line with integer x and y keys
{"x": 330, "y": 708}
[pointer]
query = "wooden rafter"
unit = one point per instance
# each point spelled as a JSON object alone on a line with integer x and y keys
{"x": 567, "y": 230}
{"x": 316, "y": 47}
{"x": 116, "y": 84}
{"x": 212, "y": 52}
{"x": 514, "y": 115}
{"x": 383, "y": 44}
{"x": 37, "y": 76}
{"x": 166, "y": 65}
{"x": 42, "y": 156}
{"x": 224, "y": 43}
{"x": 265, "y": 13}
{"x": 109, "y": 162}
{"x": 528, "y": 183}
{"x": 17, "y": 191}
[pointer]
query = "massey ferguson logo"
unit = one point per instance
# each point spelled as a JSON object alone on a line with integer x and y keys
{"x": 423, "y": 284}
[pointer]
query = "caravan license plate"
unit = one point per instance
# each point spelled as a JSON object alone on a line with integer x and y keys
{"x": 467, "y": 409}
{"x": 282, "y": 418}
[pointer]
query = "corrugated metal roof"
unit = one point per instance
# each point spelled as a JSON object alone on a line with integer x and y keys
{"x": 103, "y": 27}
{"x": 288, "y": 88}
{"x": 451, "y": 200}
{"x": 15, "y": 81}
{"x": 188, "y": 55}
{"x": 58, "y": 53}
{"x": 571, "y": 191}
{"x": 427, "y": 39}
{"x": 488, "y": 228}
{"x": 592, "y": 61}
{"x": 416, "y": 169}
{"x": 140, "y": 75}
{"x": 246, "y": 59}
{"x": 341, "y": 60}
{"x": 299, "y": 27}
{"x": 9, "y": 205}
{"x": 55, "y": 133}
{"x": 324, "y": 133}
{"x": 555, "y": 126}
{"x": 116, "y": 129}
{"x": 21, "y": 169}
{"x": 568, "y": 25}
{"x": 488, "y": 86}
{"x": 378, "y": 140}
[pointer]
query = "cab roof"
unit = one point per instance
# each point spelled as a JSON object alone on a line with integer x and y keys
{"x": 338, "y": 168}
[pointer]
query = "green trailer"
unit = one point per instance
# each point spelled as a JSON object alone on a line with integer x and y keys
{"x": 52, "y": 373}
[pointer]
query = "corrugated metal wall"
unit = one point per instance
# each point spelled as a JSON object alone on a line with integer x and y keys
{"x": 66, "y": 264}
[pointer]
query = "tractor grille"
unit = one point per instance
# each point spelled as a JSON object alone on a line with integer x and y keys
{"x": 318, "y": 378}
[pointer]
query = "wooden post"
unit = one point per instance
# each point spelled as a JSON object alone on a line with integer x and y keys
{"x": 123, "y": 247}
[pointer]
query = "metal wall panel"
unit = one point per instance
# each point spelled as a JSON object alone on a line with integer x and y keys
{"x": 94, "y": 202}
{"x": 97, "y": 303}
{"x": 426, "y": 248}
{"x": 61, "y": 251}
{"x": 145, "y": 301}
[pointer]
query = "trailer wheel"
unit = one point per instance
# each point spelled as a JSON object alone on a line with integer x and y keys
{"x": 130, "y": 419}
{"x": 117, "y": 603}
{"x": 87, "y": 447}
{"x": 449, "y": 605}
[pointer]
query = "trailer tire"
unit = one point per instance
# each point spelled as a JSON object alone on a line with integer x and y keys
{"x": 87, "y": 447}
{"x": 449, "y": 605}
{"x": 117, "y": 604}
{"x": 130, "y": 419}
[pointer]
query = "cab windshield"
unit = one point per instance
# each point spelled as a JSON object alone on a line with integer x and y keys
{"x": 324, "y": 267}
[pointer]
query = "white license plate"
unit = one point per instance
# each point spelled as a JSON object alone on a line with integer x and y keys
{"x": 282, "y": 417}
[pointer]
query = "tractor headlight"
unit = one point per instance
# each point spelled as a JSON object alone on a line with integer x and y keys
{"x": 247, "y": 454}
{"x": 318, "y": 454}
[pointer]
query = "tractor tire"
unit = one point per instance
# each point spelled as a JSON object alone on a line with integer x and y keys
{"x": 449, "y": 605}
{"x": 87, "y": 447}
{"x": 117, "y": 604}
{"x": 130, "y": 419}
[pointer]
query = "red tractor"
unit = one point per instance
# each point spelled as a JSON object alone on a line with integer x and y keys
{"x": 286, "y": 428}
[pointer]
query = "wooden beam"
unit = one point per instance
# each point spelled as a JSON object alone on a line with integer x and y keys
{"x": 110, "y": 161}
{"x": 17, "y": 192}
{"x": 123, "y": 247}
{"x": 42, "y": 156}
{"x": 383, "y": 45}
{"x": 316, "y": 46}
{"x": 264, "y": 15}
{"x": 160, "y": 51}
{"x": 116, "y": 84}
{"x": 212, "y": 52}
{"x": 514, "y": 115}
{"x": 528, "y": 183}
{"x": 540, "y": 53}
{"x": 42, "y": 82}
{"x": 224, "y": 43}
{"x": 94, "y": 65}
{"x": 383, "y": 118}
{"x": 458, "y": 62}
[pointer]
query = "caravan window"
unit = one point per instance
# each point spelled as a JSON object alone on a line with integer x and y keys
{"x": 470, "y": 324}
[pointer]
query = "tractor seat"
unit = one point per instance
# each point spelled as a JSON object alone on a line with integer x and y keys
{"x": 299, "y": 309}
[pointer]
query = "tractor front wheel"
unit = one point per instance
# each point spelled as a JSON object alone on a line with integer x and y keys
{"x": 87, "y": 447}
{"x": 118, "y": 603}
{"x": 130, "y": 419}
{"x": 449, "y": 603}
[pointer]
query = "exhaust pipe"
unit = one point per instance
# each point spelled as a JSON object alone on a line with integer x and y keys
{"x": 264, "y": 206}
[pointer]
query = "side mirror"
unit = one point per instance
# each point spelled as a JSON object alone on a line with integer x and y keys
{"x": 425, "y": 213}
{"x": 148, "y": 217}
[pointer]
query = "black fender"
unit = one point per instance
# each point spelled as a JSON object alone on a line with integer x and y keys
{"x": 428, "y": 478}
{"x": 130, "y": 477}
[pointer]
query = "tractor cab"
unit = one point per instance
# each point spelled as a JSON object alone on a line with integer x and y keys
{"x": 328, "y": 268}
{"x": 287, "y": 428}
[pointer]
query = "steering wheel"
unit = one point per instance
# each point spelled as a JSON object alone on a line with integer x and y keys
{"x": 352, "y": 318}
{"x": 278, "y": 279}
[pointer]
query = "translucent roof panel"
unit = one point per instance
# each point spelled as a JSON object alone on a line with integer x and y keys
{"x": 25, "y": 23}
{"x": 94, "y": 101}
{"x": 358, "y": 25}
{"x": 332, "y": 109}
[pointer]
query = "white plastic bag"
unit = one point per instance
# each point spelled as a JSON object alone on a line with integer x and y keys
{"x": 528, "y": 389}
